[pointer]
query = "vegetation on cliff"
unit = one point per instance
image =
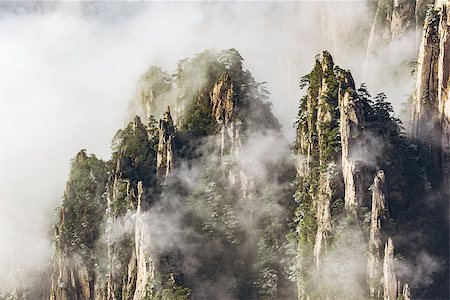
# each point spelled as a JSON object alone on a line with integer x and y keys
{"x": 188, "y": 207}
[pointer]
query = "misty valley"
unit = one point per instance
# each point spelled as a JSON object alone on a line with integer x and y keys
{"x": 205, "y": 196}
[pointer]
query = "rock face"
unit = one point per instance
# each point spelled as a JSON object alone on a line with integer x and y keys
{"x": 166, "y": 155}
{"x": 223, "y": 102}
{"x": 73, "y": 276}
{"x": 115, "y": 284}
{"x": 311, "y": 136}
{"x": 382, "y": 277}
{"x": 335, "y": 121}
{"x": 431, "y": 107}
{"x": 329, "y": 117}
{"x": 224, "y": 106}
{"x": 152, "y": 92}
{"x": 351, "y": 125}
{"x": 378, "y": 216}
{"x": 389, "y": 277}
{"x": 146, "y": 97}
{"x": 406, "y": 292}
{"x": 145, "y": 270}
{"x": 124, "y": 262}
{"x": 325, "y": 192}
{"x": 72, "y": 281}
{"x": 393, "y": 19}
{"x": 335, "y": 126}
{"x": 127, "y": 268}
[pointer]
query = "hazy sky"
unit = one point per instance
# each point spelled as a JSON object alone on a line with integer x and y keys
{"x": 68, "y": 72}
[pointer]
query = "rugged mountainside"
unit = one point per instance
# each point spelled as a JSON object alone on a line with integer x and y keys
{"x": 344, "y": 139}
{"x": 220, "y": 234}
{"x": 392, "y": 19}
{"x": 211, "y": 201}
{"x": 431, "y": 109}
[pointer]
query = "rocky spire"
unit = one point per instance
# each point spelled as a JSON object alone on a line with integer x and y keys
{"x": 406, "y": 292}
{"x": 393, "y": 19}
{"x": 81, "y": 157}
{"x": 316, "y": 142}
{"x": 223, "y": 110}
{"x": 73, "y": 272}
{"x": 389, "y": 276}
{"x": 222, "y": 99}
{"x": 137, "y": 123}
{"x": 166, "y": 156}
{"x": 145, "y": 271}
{"x": 351, "y": 124}
{"x": 431, "y": 108}
{"x": 152, "y": 89}
{"x": 323, "y": 216}
{"x": 146, "y": 97}
{"x": 325, "y": 193}
{"x": 379, "y": 213}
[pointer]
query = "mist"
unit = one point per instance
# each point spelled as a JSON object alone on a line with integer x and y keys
{"x": 69, "y": 71}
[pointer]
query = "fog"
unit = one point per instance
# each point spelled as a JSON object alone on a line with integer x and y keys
{"x": 69, "y": 71}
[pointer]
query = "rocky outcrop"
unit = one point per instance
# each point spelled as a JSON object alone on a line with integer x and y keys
{"x": 128, "y": 277}
{"x": 118, "y": 190}
{"x": 153, "y": 92}
{"x": 389, "y": 277}
{"x": 223, "y": 103}
{"x": 351, "y": 125}
{"x": 406, "y": 293}
{"x": 325, "y": 192}
{"x": 336, "y": 125}
{"x": 330, "y": 122}
{"x": 72, "y": 281}
{"x": 147, "y": 99}
{"x": 223, "y": 100}
{"x": 73, "y": 276}
{"x": 378, "y": 216}
{"x": 166, "y": 156}
{"x": 393, "y": 19}
{"x": 145, "y": 270}
{"x": 115, "y": 264}
{"x": 323, "y": 216}
{"x": 382, "y": 277}
{"x": 431, "y": 107}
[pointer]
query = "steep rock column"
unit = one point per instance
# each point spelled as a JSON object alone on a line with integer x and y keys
{"x": 223, "y": 110}
{"x": 165, "y": 157}
{"x": 323, "y": 218}
{"x": 426, "y": 84}
{"x": 431, "y": 108}
{"x": 146, "y": 98}
{"x": 109, "y": 228}
{"x": 318, "y": 148}
{"x": 73, "y": 276}
{"x": 379, "y": 213}
{"x": 325, "y": 192}
{"x": 120, "y": 191}
{"x": 152, "y": 91}
{"x": 403, "y": 17}
{"x": 406, "y": 292}
{"x": 392, "y": 19}
{"x": 223, "y": 101}
{"x": 351, "y": 120}
{"x": 389, "y": 278}
{"x": 145, "y": 267}
{"x": 444, "y": 88}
